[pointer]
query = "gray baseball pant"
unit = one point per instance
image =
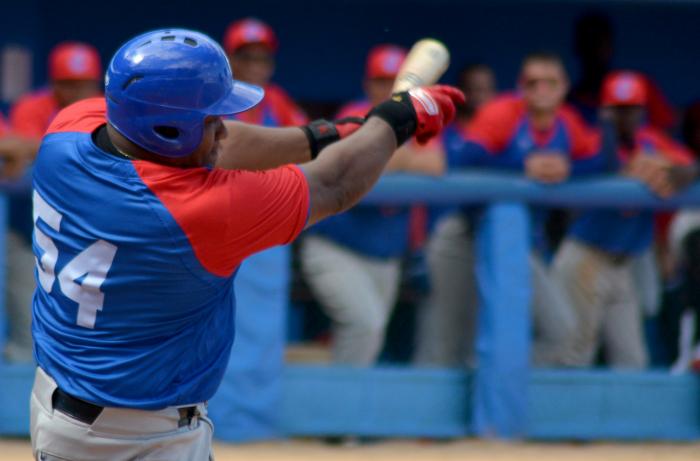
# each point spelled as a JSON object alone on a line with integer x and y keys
{"x": 357, "y": 292}
{"x": 118, "y": 434}
{"x": 602, "y": 291}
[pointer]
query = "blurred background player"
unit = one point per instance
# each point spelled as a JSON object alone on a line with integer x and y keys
{"x": 251, "y": 46}
{"x": 594, "y": 264}
{"x": 352, "y": 261}
{"x": 478, "y": 83}
{"x": 530, "y": 131}
{"x": 75, "y": 73}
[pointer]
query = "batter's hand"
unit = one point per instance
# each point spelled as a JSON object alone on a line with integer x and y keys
{"x": 435, "y": 108}
{"x": 420, "y": 112}
{"x": 322, "y": 132}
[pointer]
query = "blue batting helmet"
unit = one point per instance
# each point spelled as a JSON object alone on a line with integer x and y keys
{"x": 161, "y": 85}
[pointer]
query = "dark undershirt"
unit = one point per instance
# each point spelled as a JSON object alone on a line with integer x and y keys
{"x": 101, "y": 140}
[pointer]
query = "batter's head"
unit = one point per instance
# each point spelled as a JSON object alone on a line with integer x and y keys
{"x": 161, "y": 85}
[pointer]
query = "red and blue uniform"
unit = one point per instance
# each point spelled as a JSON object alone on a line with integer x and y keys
{"x": 376, "y": 231}
{"x": 139, "y": 260}
{"x": 501, "y": 135}
{"x": 628, "y": 232}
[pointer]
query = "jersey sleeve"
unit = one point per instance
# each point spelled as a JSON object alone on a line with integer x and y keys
{"x": 31, "y": 116}
{"x": 672, "y": 150}
{"x": 494, "y": 124}
{"x": 661, "y": 113}
{"x": 288, "y": 112}
{"x": 584, "y": 141}
{"x": 228, "y": 215}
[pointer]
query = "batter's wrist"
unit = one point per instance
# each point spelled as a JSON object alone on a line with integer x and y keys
{"x": 399, "y": 113}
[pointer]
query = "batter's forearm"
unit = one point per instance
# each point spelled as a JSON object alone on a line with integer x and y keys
{"x": 252, "y": 147}
{"x": 346, "y": 170}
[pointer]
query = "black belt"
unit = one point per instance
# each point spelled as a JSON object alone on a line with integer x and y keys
{"x": 87, "y": 412}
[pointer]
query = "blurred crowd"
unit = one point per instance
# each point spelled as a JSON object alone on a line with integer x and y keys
{"x": 610, "y": 287}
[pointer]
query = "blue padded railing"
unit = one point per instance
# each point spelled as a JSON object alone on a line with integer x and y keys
{"x": 500, "y": 400}
{"x": 489, "y": 187}
{"x": 501, "y": 404}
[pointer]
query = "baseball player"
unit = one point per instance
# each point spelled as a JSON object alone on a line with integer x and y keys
{"x": 352, "y": 261}
{"x": 138, "y": 236}
{"x": 594, "y": 264}
{"x": 251, "y": 46}
{"x": 75, "y": 73}
{"x": 531, "y": 131}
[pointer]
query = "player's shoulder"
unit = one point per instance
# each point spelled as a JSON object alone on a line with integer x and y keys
{"x": 39, "y": 98}
{"x": 665, "y": 144}
{"x": 357, "y": 108}
{"x": 35, "y": 102}
{"x": 571, "y": 115}
{"x": 82, "y": 117}
{"x": 275, "y": 95}
{"x": 280, "y": 101}
{"x": 508, "y": 104}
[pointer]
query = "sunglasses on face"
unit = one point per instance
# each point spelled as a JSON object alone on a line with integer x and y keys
{"x": 532, "y": 83}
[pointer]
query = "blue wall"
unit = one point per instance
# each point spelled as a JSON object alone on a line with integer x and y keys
{"x": 323, "y": 44}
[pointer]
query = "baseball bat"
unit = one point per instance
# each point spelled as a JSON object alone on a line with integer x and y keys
{"x": 424, "y": 65}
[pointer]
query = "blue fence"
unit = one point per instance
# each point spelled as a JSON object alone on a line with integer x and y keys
{"x": 502, "y": 397}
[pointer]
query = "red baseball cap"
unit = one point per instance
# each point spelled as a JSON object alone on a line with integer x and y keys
{"x": 249, "y": 31}
{"x": 74, "y": 61}
{"x": 624, "y": 88}
{"x": 384, "y": 61}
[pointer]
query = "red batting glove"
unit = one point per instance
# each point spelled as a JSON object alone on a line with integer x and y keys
{"x": 420, "y": 112}
{"x": 435, "y": 109}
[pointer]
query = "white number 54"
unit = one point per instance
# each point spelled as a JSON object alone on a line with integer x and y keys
{"x": 90, "y": 266}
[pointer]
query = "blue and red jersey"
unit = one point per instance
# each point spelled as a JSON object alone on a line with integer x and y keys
{"x": 501, "y": 135}
{"x": 628, "y": 232}
{"x": 376, "y": 231}
{"x": 135, "y": 303}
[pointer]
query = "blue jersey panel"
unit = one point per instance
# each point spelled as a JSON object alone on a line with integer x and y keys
{"x": 124, "y": 313}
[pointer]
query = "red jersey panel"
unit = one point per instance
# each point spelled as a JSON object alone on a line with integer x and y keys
{"x": 32, "y": 114}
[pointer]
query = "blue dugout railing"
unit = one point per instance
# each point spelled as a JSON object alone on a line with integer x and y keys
{"x": 435, "y": 402}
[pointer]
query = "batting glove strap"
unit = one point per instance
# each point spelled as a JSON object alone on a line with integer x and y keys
{"x": 320, "y": 134}
{"x": 399, "y": 113}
